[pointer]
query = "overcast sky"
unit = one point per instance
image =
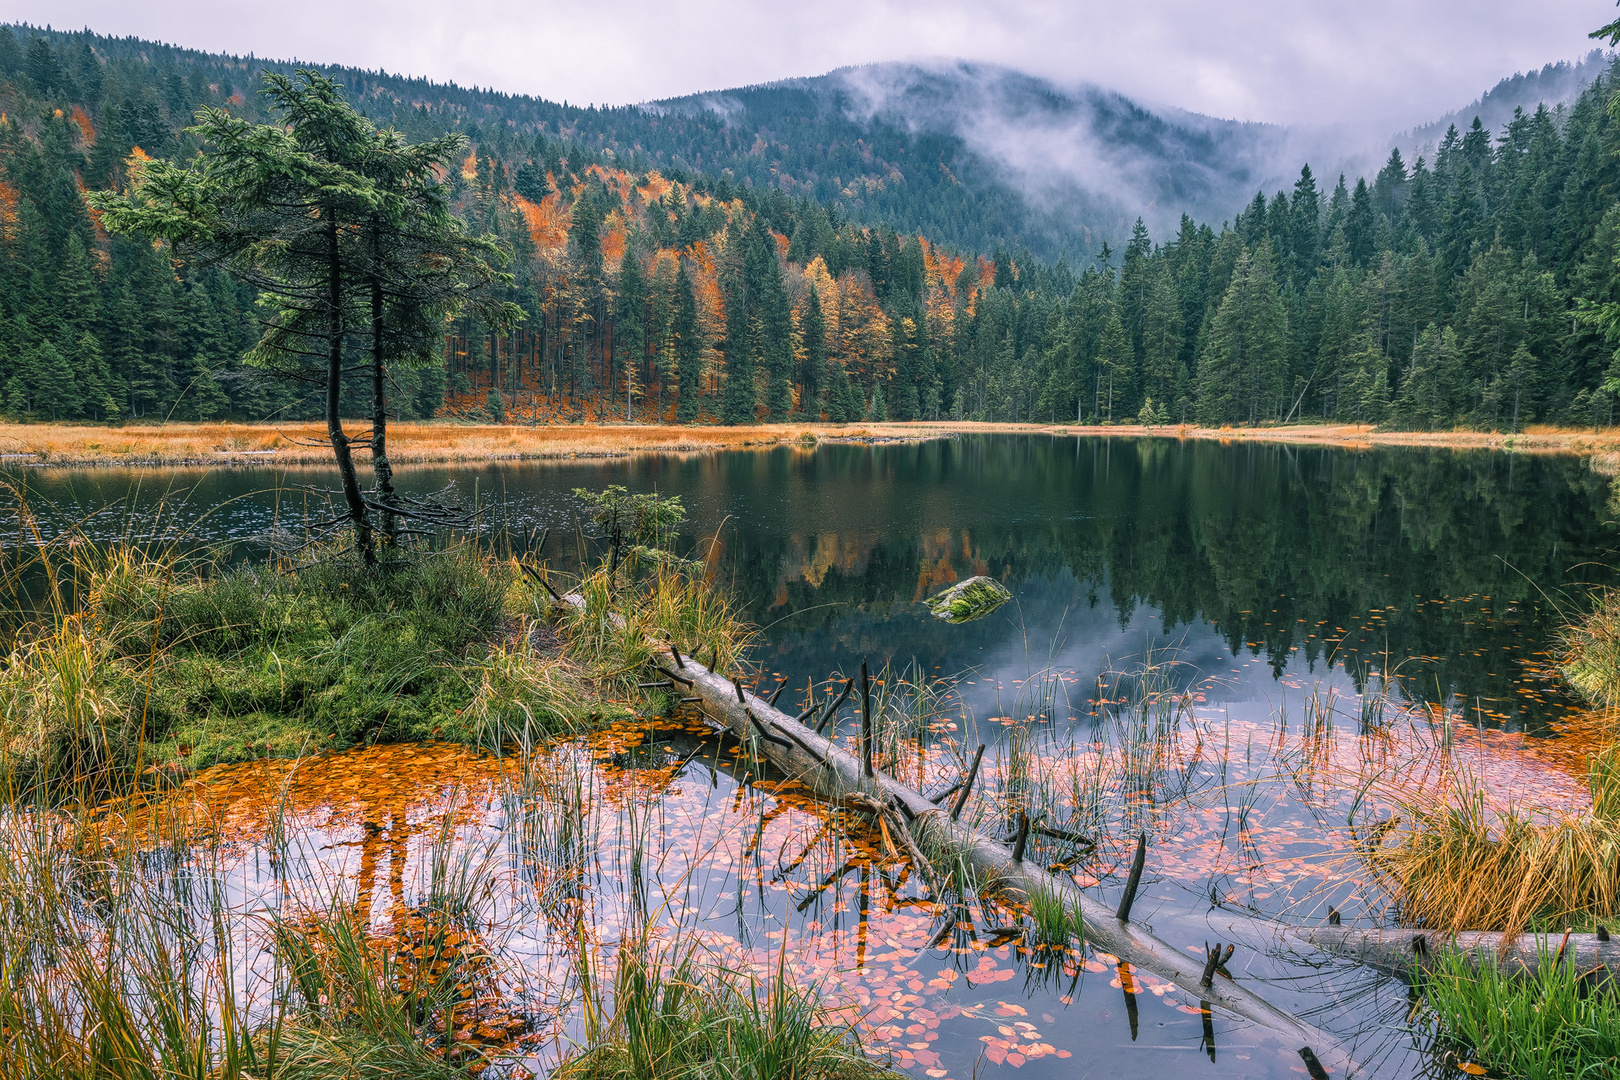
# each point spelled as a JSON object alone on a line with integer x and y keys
{"x": 1390, "y": 62}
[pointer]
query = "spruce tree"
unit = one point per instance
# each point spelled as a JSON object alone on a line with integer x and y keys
{"x": 277, "y": 206}
{"x": 814, "y": 380}
{"x": 1163, "y": 376}
{"x": 688, "y": 347}
{"x": 630, "y": 328}
{"x": 1113, "y": 365}
{"x": 1241, "y": 368}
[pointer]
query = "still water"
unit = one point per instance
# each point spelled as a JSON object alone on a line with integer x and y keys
{"x": 1310, "y": 609}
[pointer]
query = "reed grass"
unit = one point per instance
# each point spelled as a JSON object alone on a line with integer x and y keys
{"x": 1457, "y": 861}
{"x": 1550, "y": 1025}
{"x": 624, "y": 624}
{"x": 1055, "y": 923}
{"x": 1591, "y": 651}
{"x": 1147, "y": 753}
{"x": 131, "y": 957}
{"x": 667, "y": 1014}
{"x": 132, "y": 661}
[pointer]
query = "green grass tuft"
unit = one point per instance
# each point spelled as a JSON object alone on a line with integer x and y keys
{"x": 1543, "y": 1027}
{"x": 673, "y": 1018}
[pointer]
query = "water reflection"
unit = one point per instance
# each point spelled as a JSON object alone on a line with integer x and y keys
{"x": 1267, "y": 564}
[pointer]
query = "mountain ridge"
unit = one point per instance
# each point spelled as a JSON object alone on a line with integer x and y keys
{"x": 980, "y": 156}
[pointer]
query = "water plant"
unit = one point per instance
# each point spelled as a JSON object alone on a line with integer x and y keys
{"x": 1459, "y": 860}
{"x": 1549, "y": 1025}
{"x": 1591, "y": 651}
{"x": 1054, "y": 922}
{"x": 668, "y": 1014}
{"x": 130, "y": 660}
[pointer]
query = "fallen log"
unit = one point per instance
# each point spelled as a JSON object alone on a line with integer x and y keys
{"x": 835, "y": 775}
{"x": 1407, "y": 953}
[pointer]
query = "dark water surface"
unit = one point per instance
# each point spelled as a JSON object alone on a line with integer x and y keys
{"x": 1447, "y": 568}
{"x": 1293, "y": 587}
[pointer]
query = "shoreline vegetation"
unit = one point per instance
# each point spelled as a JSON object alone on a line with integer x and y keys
{"x": 142, "y": 666}
{"x": 230, "y": 444}
{"x": 127, "y": 669}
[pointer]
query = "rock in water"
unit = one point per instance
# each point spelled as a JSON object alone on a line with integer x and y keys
{"x": 968, "y": 600}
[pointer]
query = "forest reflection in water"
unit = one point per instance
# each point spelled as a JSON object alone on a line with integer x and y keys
{"x": 1266, "y": 564}
{"x": 1313, "y": 615}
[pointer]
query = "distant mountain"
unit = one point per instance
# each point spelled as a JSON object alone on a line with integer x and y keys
{"x": 1554, "y": 85}
{"x": 985, "y": 156}
{"x": 974, "y": 155}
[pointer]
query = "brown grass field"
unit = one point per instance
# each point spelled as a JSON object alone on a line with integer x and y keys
{"x": 210, "y": 444}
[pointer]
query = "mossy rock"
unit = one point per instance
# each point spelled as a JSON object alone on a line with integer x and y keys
{"x": 968, "y": 600}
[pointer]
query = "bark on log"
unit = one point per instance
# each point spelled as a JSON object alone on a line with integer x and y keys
{"x": 833, "y": 773}
{"x": 1398, "y": 952}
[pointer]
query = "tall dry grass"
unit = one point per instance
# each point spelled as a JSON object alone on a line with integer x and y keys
{"x": 1591, "y": 651}
{"x": 227, "y": 443}
{"x": 1460, "y": 858}
{"x": 624, "y": 623}
{"x": 127, "y": 956}
{"x": 304, "y": 443}
{"x": 670, "y": 1013}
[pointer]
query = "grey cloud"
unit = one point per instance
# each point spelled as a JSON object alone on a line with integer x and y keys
{"x": 1392, "y": 63}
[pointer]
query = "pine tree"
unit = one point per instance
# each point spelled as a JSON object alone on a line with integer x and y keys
{"x": 1163, "y": 376}
{"x": 776, "y": 336}
{"x": 1113, "y": 365}
{"x": 688, "y": 347}
{"x": 1360, "y": 226}
{"x": 1428, "y": 395}
{"x": 55, "y": 392}
{"x": 1306, "y": 211}
{"x": 630, "y": 327}
{"x": 739, "y": 394}
{"x": 276, "y": 206}
{"x": 876, "y": 409}
{"x": 814, "y": 379}
{"x": 844, "y": 404}
{"x": 1241, "y": 368}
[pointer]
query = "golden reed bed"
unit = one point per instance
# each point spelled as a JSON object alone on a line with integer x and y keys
{"x": 305, "y": 443}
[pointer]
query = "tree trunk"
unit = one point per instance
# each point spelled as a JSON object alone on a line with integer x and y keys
{"x": 1404, "y": 953}
{"x": 833, "y": 773}
{"x": 358, "y": 514}
{"x": 381, "y": 470}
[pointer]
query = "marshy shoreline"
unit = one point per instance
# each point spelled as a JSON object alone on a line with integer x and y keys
{"x": 231, "y": 445}
{"x": 151, "y": 664}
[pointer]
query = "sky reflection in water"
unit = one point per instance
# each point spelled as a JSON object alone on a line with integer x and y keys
{"x": 1285, "y": 589}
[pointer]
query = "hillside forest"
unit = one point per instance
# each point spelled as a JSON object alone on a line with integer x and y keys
{"x": 1435, "y": 293}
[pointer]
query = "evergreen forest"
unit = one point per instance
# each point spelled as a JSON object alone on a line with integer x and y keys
{"x": 1432, "y": 294}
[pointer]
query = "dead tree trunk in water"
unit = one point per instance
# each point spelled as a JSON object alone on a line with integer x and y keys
{"x": 835, "y": 774}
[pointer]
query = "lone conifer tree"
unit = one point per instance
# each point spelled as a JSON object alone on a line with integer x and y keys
{"x": 340, "y": 226}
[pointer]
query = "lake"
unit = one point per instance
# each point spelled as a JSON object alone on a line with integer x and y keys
{"x": 1228, "y": 647}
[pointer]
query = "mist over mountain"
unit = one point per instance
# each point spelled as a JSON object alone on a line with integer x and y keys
{"x": 1056, "y": 170}
{"x": 1553, "y": 85}
{"x": 974, "y": 155}
{"x": 986, "y": 156}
